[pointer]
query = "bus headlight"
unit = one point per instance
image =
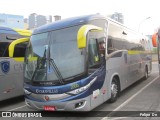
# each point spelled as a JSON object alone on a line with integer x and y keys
{"x": 81, "y": 89}
{"x": 27, "y": 92}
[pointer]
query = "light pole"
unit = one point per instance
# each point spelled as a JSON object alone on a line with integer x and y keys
{"x": 142, "y": 22}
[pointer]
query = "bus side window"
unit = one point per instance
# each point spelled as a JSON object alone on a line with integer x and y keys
{"x": 19, "y": 50}
{"x": 4, "y": 49}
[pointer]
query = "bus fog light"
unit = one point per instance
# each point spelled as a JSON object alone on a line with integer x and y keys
{"x": 27, "y": 92}
{"x": 79, "y": 104}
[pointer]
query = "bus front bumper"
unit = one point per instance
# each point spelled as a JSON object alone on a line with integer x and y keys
{"x": 74, "y": 105}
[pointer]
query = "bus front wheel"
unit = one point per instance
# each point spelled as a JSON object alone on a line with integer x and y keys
{"x": 114, "y": 90}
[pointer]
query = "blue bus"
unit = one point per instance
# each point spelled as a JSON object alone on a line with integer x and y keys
{"x": 79, "y": 63}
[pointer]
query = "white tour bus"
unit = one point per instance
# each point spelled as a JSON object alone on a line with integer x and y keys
{"x": 78, "y": 63}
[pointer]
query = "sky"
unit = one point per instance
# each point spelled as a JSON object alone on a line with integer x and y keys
{"x": 135, "y": 11}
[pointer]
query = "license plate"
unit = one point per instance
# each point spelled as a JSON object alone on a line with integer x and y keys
{"x": 49, "y": 108}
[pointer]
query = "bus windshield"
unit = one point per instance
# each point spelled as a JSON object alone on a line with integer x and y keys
{"x": 52, "y": 56}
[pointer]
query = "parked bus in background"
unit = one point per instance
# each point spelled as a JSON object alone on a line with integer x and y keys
{"x": 12, "y": 49}
{"x": 78, "y": 63}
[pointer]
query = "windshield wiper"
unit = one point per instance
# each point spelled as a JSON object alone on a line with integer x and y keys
{"x": 39, "y": 64}
{"x": 57, "y": 72}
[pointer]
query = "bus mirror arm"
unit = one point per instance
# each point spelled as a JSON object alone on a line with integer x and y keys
{"x": 106, "y": 56}
{"x": 109, "y": 56}
{"x": 83, "y": 52}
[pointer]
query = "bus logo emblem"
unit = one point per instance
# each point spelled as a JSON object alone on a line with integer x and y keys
{"x": 5, "y": 66}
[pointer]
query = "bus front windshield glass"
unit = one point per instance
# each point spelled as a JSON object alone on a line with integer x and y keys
{"x": 54, "y": 55}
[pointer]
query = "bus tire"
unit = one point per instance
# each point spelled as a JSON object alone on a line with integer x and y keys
{"x": 115, "y": 85}
{"x": 146, "y": 73}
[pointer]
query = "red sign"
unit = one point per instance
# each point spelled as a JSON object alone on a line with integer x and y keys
{"x": 49, "y": 108}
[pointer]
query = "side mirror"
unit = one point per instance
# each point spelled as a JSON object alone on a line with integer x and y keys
{"x": 154, "y": 40}
{"x": 82, "y": 34}
{"x": 13, "y": 49}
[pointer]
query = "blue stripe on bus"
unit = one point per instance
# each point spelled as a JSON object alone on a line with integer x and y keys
{"x": 66, "y": 88}
{"x": 66, "y": 23}
{"x": 9, "y": 31}
{"x": 6, "y": 28}
{"x": 96, "y": 85}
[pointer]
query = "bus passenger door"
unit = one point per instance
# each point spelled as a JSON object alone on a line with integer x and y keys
{"x": 96, "y": 64}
